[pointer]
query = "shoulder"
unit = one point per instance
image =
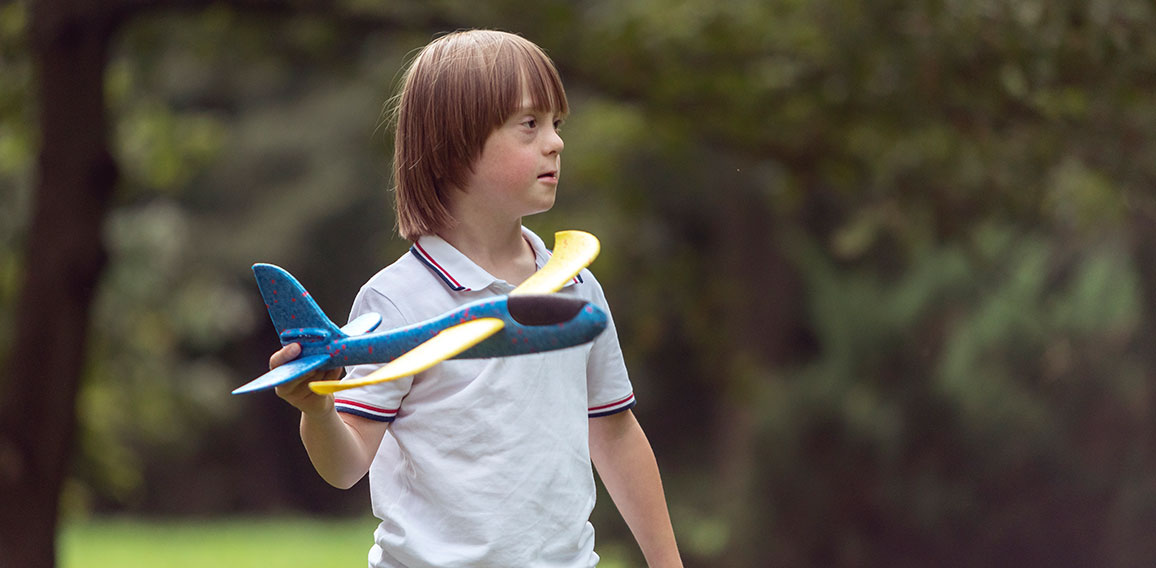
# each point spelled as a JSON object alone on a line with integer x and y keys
{"x": 403, "y": 276}
{"x": 587, "y": 287}
{"x": 395, "y": 286}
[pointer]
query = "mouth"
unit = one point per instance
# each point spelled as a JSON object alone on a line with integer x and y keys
{"x": 549, "y": 177}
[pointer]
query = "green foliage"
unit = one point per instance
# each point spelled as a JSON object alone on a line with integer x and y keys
{"x": 954, "y": 394}
{"x": 880, "y": 269}
{"x": 959, "y": 185}
{"x": 155, "y": 377}
{"x": 17, "y": 140}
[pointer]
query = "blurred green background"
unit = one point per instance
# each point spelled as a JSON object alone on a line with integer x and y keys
{"x": 884, "y": 271}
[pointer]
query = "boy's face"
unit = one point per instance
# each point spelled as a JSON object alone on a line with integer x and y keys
{"x": 518, "y": 170}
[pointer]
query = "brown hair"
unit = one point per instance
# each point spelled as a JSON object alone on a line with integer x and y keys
{"x": 455, "y": 93}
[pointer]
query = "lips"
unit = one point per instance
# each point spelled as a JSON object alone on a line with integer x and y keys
{"x": 548, "y": 176}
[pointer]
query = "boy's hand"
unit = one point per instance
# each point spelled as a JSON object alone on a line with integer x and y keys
{"x": 297, "y": 392}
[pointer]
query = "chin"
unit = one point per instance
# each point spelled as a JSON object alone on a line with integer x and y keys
{"x": 544, "y": 204}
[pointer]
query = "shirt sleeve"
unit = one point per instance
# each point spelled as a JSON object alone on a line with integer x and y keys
{"x": 379, "y": 402}
{"x": 608, "y": 387}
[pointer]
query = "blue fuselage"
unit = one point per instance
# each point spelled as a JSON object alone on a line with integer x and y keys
{"x": 532, "y": 324}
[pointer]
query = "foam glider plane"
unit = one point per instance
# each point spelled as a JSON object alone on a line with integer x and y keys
{"x": 530, "y": 320}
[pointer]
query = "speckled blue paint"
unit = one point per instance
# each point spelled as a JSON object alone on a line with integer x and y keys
{"x": 298, "y": 319}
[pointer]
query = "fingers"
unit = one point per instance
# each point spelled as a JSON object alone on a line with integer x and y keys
{"x": 297, "y": 394}
{"x": 296, "y": 390}
{"x": 284, "y": 355}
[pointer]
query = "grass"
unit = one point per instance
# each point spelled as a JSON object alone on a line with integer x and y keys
{"x": 228, "y": 543}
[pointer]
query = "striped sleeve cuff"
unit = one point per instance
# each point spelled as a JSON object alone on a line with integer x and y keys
{"x": 612, "y": 408}
{"x": 365, "y": 410}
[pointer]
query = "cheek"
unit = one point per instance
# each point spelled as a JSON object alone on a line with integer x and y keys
{"x": 510, "y": 170}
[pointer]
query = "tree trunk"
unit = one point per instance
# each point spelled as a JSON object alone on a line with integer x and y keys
{"x": 65, "y": 255}
{"x": 64, "y": 258}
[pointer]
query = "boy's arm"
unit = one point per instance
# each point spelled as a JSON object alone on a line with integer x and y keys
{"x": 626, "y": 464}
{"x": 341, "y": 446}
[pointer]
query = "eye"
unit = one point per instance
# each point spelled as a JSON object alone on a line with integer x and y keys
{"x": 530, "y": 123}
{"x": 558, "y": 125}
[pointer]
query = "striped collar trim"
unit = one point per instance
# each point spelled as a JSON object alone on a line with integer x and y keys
{"x": 445, "y": 261}
{"x": 458, "y": 272}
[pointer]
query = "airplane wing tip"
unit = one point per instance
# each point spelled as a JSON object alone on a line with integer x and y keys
{"x": 245, "y": 389}
{"x": 254, "y": 385}
{"x": 286, "y": 373}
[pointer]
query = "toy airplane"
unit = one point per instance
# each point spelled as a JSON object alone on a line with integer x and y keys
{"x": 530, "y": 320}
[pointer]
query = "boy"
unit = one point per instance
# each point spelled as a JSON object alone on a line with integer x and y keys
{"x": 483, "y": 462}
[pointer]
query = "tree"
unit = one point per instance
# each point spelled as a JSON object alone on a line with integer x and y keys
{"x": 64, "y": 260}
{"x": 65, "y": 257}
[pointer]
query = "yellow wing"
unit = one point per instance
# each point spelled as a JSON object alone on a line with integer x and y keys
{"x": 573, "y": 251}
{"x": 447, "y": 343}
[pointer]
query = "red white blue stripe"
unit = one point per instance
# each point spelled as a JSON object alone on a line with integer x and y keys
{"x": 437, "y": 268}
{"x": 613, "y": 407}
{"x": 365, "y": 410}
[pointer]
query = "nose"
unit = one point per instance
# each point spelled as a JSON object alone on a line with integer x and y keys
{"x": 554, "y": 143}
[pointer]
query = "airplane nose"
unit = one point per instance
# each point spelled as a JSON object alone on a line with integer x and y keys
{"x": 543, "y": 310}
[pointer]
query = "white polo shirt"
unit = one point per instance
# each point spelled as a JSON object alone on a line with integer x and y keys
{"x": 487, "y": 461}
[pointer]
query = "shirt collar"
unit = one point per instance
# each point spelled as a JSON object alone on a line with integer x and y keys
{"x": 459, "y": 273}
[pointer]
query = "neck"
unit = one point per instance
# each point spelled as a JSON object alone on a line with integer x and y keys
{"x": 500, "y": 250}
{"x": 484, "y": 239}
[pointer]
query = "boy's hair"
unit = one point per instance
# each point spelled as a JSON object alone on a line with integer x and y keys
{"x": 456, "y": 92}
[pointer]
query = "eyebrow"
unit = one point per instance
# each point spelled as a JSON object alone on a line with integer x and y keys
{"x": 524, "y": 111}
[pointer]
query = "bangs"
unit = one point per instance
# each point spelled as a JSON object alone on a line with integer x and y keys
{"x": 540, "y": 80}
